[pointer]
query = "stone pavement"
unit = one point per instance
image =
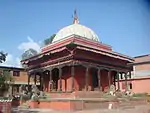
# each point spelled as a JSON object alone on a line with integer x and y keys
{"x": 23, "y": 110}
{"x": 137, "y": 109}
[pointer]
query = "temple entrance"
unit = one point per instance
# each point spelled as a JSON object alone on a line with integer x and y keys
{"x": 55, "y": 78}
{"x": 94, "y": 79}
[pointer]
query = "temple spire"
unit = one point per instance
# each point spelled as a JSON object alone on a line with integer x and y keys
{"x": 75, "y": 18}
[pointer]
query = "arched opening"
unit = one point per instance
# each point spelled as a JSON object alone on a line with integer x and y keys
{"x": 114, "y": 78}
{"x": 104, "y": 80}
{"x": 55, "y": 78}
{"x": 45, "y": 81}
{"x": 79, "y": 78}
{"x": 94, "y": 75}
{"x": 37, "y": 79}
{"x": 66, "y": 74}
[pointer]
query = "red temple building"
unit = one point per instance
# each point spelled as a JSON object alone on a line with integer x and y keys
{"x": 77, "y": 61}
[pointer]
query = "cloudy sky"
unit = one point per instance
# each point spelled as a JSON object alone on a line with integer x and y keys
{"x": 123, "y": 24}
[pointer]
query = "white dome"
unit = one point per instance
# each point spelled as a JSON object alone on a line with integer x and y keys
{"x": 76, "y": 29}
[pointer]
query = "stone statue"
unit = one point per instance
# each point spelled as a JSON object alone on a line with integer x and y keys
{"x": 128, "y": 91}
{"x": 35, "y": 89}
{"x": 35, "y": 92}
{"x": 23, "y": 90}
{"x": 112, "y": 90}
{"x": 24, "y": 93}
{"x": 35, "y": 96}
{"x": 42, "y": 94}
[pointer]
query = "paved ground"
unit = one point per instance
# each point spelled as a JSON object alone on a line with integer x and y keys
{"x": 137, "y": 109}
{"x": 16, "y": 110}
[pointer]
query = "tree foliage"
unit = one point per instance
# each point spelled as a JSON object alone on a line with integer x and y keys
{"x": 29, "y": 53}
{"x": 2, "y": 57}
{"x": 5, "y": 79}
{"x": 5, "y": 76}
{"x": 49, "y": 40}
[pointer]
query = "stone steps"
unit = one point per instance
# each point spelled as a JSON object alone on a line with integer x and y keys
{"x": 127, "y": 107}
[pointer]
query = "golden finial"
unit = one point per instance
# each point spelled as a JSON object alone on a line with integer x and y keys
{"x": 75, "y": 19}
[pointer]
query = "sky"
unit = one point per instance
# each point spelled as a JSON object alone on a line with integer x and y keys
{"x": 123, "y": 24}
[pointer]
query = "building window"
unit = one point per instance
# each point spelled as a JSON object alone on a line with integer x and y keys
{"x": 130, "y": 85}
{"x": 16, "y": 73}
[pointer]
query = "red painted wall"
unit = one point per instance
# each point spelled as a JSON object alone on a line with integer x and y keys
{"x": 46, "y": 82}
{"x": 79, "y": 78}
{"x": 104, "y": 79}
{"x": 140, "y": 85}
{"x": 66, "y": 79}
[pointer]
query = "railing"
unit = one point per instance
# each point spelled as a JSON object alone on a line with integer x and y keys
{"x": 5, "y": 105}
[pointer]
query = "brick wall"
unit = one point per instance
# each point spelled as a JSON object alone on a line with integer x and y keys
{"x": 23, "y": 77}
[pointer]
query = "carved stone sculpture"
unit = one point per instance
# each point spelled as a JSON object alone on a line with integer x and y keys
{"x": 34, "y": 97}
{"x": 35, "y": 89}
{"x": 128, "y": 91}
{"x": 112, "y": 90}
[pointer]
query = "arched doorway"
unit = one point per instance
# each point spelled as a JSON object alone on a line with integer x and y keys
{"x": 55, "y": 78}
{"x": 45, "y": 81}
{"x": 94, "y": 78}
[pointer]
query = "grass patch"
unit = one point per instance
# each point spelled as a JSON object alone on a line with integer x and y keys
{"x": 140, "y": 95}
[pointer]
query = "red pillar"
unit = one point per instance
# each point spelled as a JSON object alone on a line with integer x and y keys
{"x": 86, "y": 78}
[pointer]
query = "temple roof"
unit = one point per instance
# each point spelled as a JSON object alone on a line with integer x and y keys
{"x": 75, "y": 29}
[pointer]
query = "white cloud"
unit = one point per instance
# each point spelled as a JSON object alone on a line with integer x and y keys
{"x": 11, "y": 61}
{"x": 29, "y": 44}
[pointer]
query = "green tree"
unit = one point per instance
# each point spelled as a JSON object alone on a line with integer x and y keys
{"x": 5, "y": 77}
{"x": 49, "y": 40}
{"x": 29, "y": 53}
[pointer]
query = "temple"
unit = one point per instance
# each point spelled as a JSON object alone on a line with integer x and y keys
{"x": 77, "y": 60}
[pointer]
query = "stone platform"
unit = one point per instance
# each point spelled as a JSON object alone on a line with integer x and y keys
{"x": 84, "y": 101}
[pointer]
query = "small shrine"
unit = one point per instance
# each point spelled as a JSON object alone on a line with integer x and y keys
{"x": 77, "y": 61}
